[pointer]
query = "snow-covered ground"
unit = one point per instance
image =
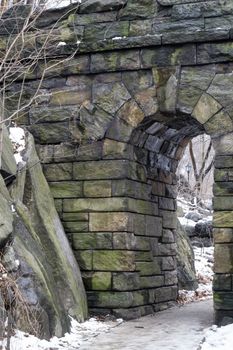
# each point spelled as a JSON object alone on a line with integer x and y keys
{"x": 71, "y": 341}
{"x": 218, "y": 338}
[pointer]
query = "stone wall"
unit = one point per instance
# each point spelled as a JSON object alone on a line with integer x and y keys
{"x": 111, "y": 125}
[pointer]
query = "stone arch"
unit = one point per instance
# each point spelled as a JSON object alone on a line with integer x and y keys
{"x": 111, "y": 168}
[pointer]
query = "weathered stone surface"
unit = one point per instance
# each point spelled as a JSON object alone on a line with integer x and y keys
{"x": 113, "y": 260}
{"x": 110, "y": 222}
{"x": 206, "y": 107}
{"x": 89, "y": 6}
{"x": 148, "y": 268}
{"x": 111, "y": 61}
{"x": 56, "y": 172}
{"x": 223, "y": 219}
{"x": 124, "y": 281}
{"x": 7, "y": 164}
{"x": 222, "y": 282}
{"x": 87, "y": 240}
{"x": 6, "y": 216}
{"x": 223, "y": 235}
{"x": 110, "y": 97}
{"x": 185, "y": 261}
{"x": 97, "y": 188}
{"x": 167, "y": 56}
{"x": 66, "y": 189}
{"x": 219, "y": 124}
{"x": 107, "y": 169}
{"x": 223, "y": 258}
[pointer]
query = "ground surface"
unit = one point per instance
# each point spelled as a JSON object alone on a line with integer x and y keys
{"x": 179, "y": 328}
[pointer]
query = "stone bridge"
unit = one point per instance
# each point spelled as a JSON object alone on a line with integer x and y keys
{"x": 133, "y": 82}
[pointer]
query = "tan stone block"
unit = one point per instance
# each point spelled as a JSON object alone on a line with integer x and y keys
{"x": 117, "y": 221}
{"x": 223, "y": 219}
{"x": 223, "y": 258}
{"x": 131, "y": 113}
{"x": 223, "y": 235}
{"x": 206, "y": 107}
{"x": 99, "y": 188}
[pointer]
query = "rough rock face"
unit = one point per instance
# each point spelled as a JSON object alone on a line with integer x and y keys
{"x": 47, "y": 273}
{"x": 185, "y": 261}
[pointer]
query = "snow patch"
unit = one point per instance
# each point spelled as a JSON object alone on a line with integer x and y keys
{"x": 218, "y": 338}
{"x": 17, "y": 136}
{"x": 80, "y": 332}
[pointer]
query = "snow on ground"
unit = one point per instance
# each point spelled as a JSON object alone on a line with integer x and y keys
{"x": 218, "y": 338}
{"x": 204, "y": 271}
{"x": 80, "y": 332}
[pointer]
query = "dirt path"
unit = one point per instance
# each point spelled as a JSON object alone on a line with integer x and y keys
{"x": 179, "y": 328}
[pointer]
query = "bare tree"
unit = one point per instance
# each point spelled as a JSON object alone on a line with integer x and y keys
{"x": 206, "y": 162}
{"x": 25, "y": 46}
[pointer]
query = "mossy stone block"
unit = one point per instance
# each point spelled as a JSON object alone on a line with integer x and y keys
{"x": 87, "y": 240}
{"x": 66, "y": 189}
{"x": 101, "y": 188}
{"x": 57, "y": 172}
{"x": 148, "y": 268}
{"x": 116, "y": 221}
{"x": 115, "y": 260}
{"x": 124, "y": 281}
{"x": 84, "y": 259}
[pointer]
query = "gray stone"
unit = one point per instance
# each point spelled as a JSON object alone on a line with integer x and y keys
{"x": 88, "y": 6}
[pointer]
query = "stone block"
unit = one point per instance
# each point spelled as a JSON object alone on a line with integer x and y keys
{"x": 223, "y": 258}
{"x": 125, "y": 281}
{"x": 117, "y": 150}
{"x": 110, "y": 299}
{"x": 223, "y": 203}
{"x": 222, "y": 282}
{"x": 119, "y": 130}
{"x": 165, "y": 294}
{"x": 170, "y": 278}
{"x": 110, "y": 97}
{"x": 113, "y": 61}
{"x": 45, "y": 153}
{"x": 223, "y": 300}
{"x": 140, "y": 9}
{"x": 70, "y": 97}
{"x": 75, "y": 216}
{"x": 151, "y": 281}
{"x": 223, "y": 219}
{"x": 51, "y": 114}
{"x": 71, "y": 152}
{"x": 75, "y": 226}
{"x": 223, "y": 162}
{"x": 216, "y": 126}
{"x": 101, "y": 188}
{"x": 84, "y": 259}
{"x": 169, "y": 219}
{"x": 101, "y": 170}
{"x": 117, "y": 221}
{"x": 130, "y": 188}
{"x": 66, "y": 189}
{"x": 124, "y": 241}
{"x": 97, "y": 280}
{"x": 168, "y": 263}
{"x": 103, "y": 31}
{"x": 148, "y": 268}
{"x": 168, "y": 249}
{"x": 214, "y": 52}
{"x": 144, "y": 256}
{"x": 95, "y": 204}
{"x": 223, "y": 235}
{"x": 168, "y": 236}
{"x": 88, "y": 240}
{"x": 58, "y": 172}
{"x": 51, "y": 133}
{"x": 206, "y": 107}
{"x": 168, "y": 56}
{"x": 113, "y": 260}
{"x": 167, "y": 203}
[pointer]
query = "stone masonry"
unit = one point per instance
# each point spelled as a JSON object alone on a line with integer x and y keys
{"x": 111, "y": 124}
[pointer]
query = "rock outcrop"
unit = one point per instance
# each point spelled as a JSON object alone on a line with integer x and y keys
{"x": 37, "y": 255}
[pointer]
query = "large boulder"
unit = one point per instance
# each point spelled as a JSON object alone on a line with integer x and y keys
{"x": 6, "y": 216}
{"x": 185, "y": 261}
{"x": 8, "y": 165}
{"x": 48, "y": 275}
